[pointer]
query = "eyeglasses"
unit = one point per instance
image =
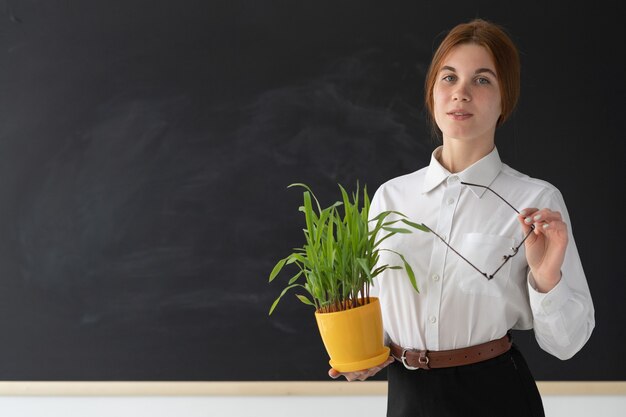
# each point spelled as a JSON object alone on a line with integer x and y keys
{"x": 505, "y": 258}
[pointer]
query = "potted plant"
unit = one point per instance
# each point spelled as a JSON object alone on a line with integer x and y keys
{"x": 336, "y": 266}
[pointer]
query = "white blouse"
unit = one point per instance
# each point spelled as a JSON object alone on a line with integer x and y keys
{"x": 456, "y": 306}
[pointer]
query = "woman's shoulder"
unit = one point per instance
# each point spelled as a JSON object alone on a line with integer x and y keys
{"x": 517, "y": 179}
{"x": 397, "y": 188}
{"x": 402, "y": 182}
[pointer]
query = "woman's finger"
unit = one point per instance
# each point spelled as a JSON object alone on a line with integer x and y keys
{"x": 333, "y": 373}
{"x": 360, "y": 375}
{"x": 542, "y": 219}
{"x": 525, "y": 218}
{"x": 545, "y": 215}
{"x": 556, "y": 228}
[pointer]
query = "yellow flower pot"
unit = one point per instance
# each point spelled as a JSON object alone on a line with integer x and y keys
{"x": 354, "y": 338}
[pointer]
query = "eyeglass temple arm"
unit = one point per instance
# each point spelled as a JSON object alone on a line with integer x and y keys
{"x": 532, "y": 226}
{"x": 499, "y": 196}
{"x": 455, "y": 251}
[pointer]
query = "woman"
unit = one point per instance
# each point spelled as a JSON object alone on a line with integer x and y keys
{"x": 484, "y": 268}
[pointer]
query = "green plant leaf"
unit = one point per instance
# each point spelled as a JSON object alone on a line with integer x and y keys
{"x": 306, "y": 187}
{"x": 396, "y": 230}
{"x": 384, "y": 214}
{"x": 421, "y": 227}
{"x": 277, "y": 269}
{"x": 275, "y": 303}
{"x": 366, "y": 268}
{"x": 410, "y": 273}
{"x": 387, "y": 236}
{"x": 408, "y": 270}
{"x": 305, "y": 300}
{"x": 380, "y": 269}
{"x": 295, "y": 277}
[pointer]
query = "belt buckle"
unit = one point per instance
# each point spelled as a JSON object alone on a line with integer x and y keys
{"x": 422, "y": 360}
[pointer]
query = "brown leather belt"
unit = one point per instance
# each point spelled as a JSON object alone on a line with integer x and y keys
{"x": 425, "y": 359}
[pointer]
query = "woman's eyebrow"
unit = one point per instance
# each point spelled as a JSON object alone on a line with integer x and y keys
{"x": 478, "y": 71}
{"x": 482, "y": 70}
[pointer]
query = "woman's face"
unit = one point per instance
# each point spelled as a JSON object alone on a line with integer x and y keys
{"x": 466, "y": 95}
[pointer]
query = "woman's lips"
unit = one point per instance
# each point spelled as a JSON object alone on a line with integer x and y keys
{"x": 459, "y": 115}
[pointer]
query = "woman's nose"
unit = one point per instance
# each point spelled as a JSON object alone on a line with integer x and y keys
{"x": 461, "y": 94}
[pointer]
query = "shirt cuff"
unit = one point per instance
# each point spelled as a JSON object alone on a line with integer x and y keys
{"x": 545, "y": 304}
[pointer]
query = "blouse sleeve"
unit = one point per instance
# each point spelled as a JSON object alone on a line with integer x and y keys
{"x": 564, "y": 316}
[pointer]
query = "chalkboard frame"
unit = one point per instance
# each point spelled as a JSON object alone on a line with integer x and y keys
{"x": 263, "y": 388}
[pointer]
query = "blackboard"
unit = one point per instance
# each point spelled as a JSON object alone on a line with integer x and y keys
{"x": 146, "y": 147}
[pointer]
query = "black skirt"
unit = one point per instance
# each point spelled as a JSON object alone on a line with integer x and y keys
{"x": 502, "y": 387}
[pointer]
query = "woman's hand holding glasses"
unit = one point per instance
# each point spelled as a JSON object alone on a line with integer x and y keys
{"x": 545, "y": 248}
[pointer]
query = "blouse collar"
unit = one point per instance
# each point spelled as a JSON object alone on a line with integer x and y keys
{"x": 481, "y": 172}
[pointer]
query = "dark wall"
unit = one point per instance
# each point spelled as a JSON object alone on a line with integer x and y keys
{"x": 146, "y": 146}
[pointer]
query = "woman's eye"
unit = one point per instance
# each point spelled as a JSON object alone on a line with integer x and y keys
{"x": 449, "y": 78}
{"x": 482, "y": 80}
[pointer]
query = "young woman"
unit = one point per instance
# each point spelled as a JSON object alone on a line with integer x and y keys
{"x": 486, "y": 267}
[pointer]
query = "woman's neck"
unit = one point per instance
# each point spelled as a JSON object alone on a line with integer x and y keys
{"x": 456, "y": 156}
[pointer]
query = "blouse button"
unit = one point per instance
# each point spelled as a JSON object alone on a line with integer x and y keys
{"x": 452, "y": 179}
{"x": 450, "y": 201}
{"x": 433, "y": 319}
{"x": 436, "y": 277}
